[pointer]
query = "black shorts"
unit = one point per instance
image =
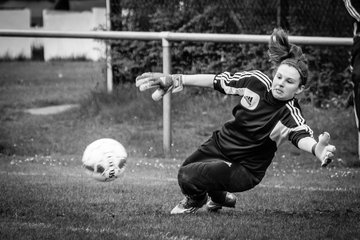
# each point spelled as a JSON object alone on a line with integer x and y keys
{"x": 208, "y": 170}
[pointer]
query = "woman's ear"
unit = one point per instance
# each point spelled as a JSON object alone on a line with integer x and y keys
{"x": 300, "y": 89}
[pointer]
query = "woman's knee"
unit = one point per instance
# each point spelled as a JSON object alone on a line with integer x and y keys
{"x": 189, "y": 183}
{"x": 185, "y": 175}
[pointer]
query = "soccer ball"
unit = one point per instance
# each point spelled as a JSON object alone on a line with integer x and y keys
{"x": 105, "y": 159}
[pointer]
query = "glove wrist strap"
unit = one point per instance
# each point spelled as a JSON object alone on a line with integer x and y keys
{"x": 313, "y": 149}
{"x": 177, "y": 82}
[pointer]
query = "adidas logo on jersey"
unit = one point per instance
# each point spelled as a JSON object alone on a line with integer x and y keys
{"x": 250, "y": 100}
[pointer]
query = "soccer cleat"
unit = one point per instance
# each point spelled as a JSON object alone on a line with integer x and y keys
{"x": 230, "y": 201}
{"x": 188, "y": 205}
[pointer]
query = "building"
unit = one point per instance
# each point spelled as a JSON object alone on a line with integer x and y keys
{"x": 83, "y": 15}
{"x": 36, "y": 7}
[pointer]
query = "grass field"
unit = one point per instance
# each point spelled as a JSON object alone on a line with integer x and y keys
{"x": 45, "y": 193}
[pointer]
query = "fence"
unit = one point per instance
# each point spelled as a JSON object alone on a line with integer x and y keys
{"x": 166, "y": 38}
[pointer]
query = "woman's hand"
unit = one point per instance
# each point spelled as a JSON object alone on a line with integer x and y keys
{"x": 323, "y": 150}
{"x": 163, "y": 83}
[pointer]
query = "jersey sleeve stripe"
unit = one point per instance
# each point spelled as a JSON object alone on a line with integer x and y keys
{"x": 226, "y": 77}
{"x": 298, "y": 118}
{"x": 223, "y": 76}
{"x": 298, "y": 113}
{"x": 303, "y": 127}
{"x": 231, "y": 90}
{"x": 263, "y": 78}
{"x": 295, "y": 113}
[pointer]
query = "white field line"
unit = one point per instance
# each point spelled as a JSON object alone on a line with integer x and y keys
{"x": 40, "y": 225}
{"x": 51, "y": 109}
{"x": 148, "y": 178}
{"x": 119, "y": 233}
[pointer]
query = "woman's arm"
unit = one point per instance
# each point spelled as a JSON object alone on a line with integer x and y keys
{"x": 306, "y": 144}
{"x": 199, "y": 80}
{"x": 166, "y": 82}
{"x": 322, "y": 149}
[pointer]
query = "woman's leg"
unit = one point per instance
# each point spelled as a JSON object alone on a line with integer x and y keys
{"x": 201, "y": 174}
{"x": 208, "y": 172}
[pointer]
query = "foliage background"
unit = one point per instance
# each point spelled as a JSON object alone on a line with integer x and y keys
{"x": 330, "y": 76}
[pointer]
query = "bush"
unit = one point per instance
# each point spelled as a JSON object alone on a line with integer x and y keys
{"x": 329, "y": 81}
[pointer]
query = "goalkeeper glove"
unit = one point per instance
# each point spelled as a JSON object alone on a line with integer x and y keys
{"x": 323, "y": 150}
{"x": 163, "y": 83}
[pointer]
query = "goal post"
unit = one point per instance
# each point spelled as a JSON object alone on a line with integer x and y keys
{"x": 109, "y": 74}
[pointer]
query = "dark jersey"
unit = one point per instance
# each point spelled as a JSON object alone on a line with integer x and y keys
{"x": 260, "y": 123}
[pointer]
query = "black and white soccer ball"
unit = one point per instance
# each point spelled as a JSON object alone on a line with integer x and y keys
{"x": 105, "y": 159}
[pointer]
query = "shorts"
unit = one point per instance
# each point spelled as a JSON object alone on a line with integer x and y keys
{"x": 207, "y": 170}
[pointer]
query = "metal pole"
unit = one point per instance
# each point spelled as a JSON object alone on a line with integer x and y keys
{"x": 202, "y": 37}
{"x": 166, "y": 99}
{"x": 109, "y": 75}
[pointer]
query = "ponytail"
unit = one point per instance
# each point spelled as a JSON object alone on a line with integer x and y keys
{"x": 281, "y": 51}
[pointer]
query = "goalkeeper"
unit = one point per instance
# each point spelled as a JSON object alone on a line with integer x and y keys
{"x": 236, "y": 157}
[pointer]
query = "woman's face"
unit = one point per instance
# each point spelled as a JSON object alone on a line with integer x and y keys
{"x": 286, "y": 83}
